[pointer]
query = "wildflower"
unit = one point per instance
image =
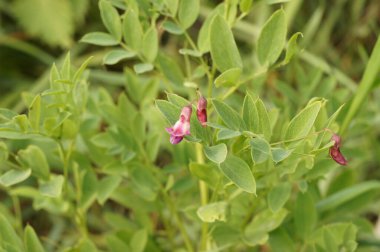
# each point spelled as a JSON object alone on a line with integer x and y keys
{"x": 202, "y": 110}
{"x": 335, "y": 150}
{"x": 182, "y": 127}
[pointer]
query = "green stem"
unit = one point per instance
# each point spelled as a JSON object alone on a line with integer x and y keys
{"x": 18, "y": 212}
{"x": 204, "y": 198}
{"x": 371, "y": 72}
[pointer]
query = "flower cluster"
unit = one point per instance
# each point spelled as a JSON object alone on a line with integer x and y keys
{"x": 182, "y": 127}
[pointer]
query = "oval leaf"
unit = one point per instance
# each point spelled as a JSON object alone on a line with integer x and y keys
{"x": 229, "y": 116}
{"x": 213, "y": 212}
{"x": 110, "y": 18}
{"x": 224, "y": 51}
{"x": 32, "y": 243}
{"x": 302, "y": 123}
{"x": 260, "y": 150}
{"x": 14, "y": 176}
{"x": 239, "y": 173}
{"x": 117, "y": 55}
{"x": 217, "y": 153}
{"x": 228, "y": 78}
{"x": 132, "y": 31}
{"x": 272, "y": 38}
{"x": 99, "y": 38}
{"x": 188, "y": 12}
{"x": 278, "y": 196}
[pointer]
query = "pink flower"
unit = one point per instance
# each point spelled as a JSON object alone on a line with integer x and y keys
{"x": 335, "y": 151}
{"x": 202, "y": 110}
{"x": 182, "y": 127}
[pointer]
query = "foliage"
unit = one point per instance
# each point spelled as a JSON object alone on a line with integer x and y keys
{"x": 86, "y": 164}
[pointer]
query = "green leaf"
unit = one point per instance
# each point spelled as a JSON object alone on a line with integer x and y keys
{"x": 110, "y": 18}
{"x": 213, "y": 212}
{"x": 172, "y": 28}
{"x": 177, "y": 100}
{"x": 239, "y": 173}
{"x": 99, "y": 38}
{"x": 32, "y": 243}
{"x": 229, "y": 116}
{"x": 280, "y": 241}
{"x": 78, "y": 74}
{"x": 53, "y": 187}
{"x": 224, "y": 52}
{"x": 245, "y": 5}
{"x": 256, "y": 232}
{"x": 278, "y": 196}
{"x": 292, "y": 47}
{"x": 50, "y": 21}
{"x": 272, "y": 38}
{"x": 139, "y": 240}
{"x": 205, "y": 172}
{"x": 116, "y": 244}
{"x": 361, "y": 94}
{"x": 280, "y": 154}
{"x": 172, "y": 6}
{"x": 228, "y": 78}
{"x": 4, "y": 153}
{"x": 132, "y": 30}
{"x": 170, "y": 69}
{"x": 260, "y": 150}
{"x": 89, "y": 189}
{"x": 305, "y": 215}
{"x": 203, "y": 41}
{"x": 143, "y": 68}
{"x": 150, "y": 44}
{"x": 12, "y": 177}
{"x": 224, "y": 134}
{"x": 170, "y": 111}
{"x": 250, "y": 114}
{"x": 302, "y": 123}
{"x": 8, "y": 235}
{"x": 114, "y": 56}
{"x": 346, "y": 195}
{"x": 106, "y": 186}
{"x": 34, "y": 114}
{"x": 34, "y": 158}
{"x": 188, "y": 12}
{"x": 264, "y": 123}
{"x": 144, "y": 182}
{"x": 217, "y": 153}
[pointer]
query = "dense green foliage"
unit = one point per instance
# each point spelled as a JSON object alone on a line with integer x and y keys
{"x": 88, "y": 88}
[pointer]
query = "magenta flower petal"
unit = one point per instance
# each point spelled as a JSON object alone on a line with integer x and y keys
{"x": 202, "y": 110}
{"x": 335, "y": 153}
{"x": 175, "y": 139}
{"x": 182, "y": 127}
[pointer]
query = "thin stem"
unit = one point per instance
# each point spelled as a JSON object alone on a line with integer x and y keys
{"x": 18, "y": 213}
{"x": 204, "y": 197}
{"x": 300, "y": 138}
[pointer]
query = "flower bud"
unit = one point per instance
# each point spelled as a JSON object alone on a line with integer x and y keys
{"x": 202, "y": 110}
{"x": 335, "y": 151}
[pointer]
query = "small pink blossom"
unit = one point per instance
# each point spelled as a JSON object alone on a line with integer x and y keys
{"x": 335, "y": 151}
{"x": 182, "y": 127}
{"x": 202, "y": 110}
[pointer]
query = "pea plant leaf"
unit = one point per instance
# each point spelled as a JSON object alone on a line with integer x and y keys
{"x": 224, "y": 51}
{"x": 272, "y": 38}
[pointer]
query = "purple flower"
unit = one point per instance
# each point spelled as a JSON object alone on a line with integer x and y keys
{"x": 335, "y": 151}
{"x": 182, "y": 127}
{"x": 202, "y": 110}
